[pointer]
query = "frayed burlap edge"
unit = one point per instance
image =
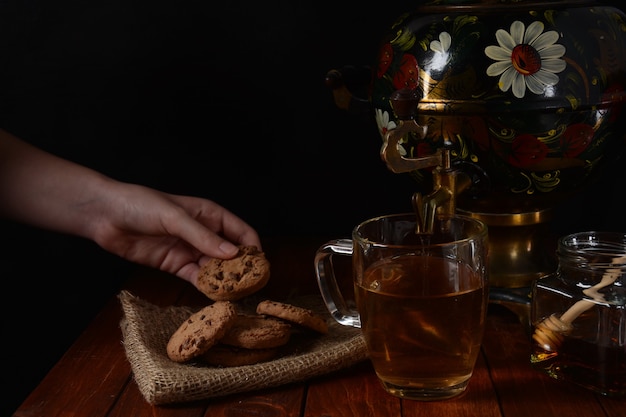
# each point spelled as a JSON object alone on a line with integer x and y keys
{"x": 146, "y": 329}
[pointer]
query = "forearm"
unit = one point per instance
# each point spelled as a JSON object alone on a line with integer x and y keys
{"x": 46, "y": 191}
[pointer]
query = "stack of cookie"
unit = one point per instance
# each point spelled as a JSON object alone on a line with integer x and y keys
{"x": 222, "y": 335}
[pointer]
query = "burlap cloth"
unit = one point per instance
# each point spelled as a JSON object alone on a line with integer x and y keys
{"x": 146, "y": 329}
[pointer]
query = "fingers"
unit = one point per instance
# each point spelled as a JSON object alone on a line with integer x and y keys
{"x": 208, "y": 243}
{"x": 209, "y": 228}
{"x": 212, "y": 229}
{"x": 189, "y": 273}
{"x": 238, "y": 231}
{"x": 204, "y": 239}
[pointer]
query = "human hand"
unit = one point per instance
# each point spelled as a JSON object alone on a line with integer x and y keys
{"x": 174, "y": 233}
{"x": 170, "y": 232}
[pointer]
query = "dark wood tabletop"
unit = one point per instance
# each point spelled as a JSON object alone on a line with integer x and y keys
{"x": 94, "y": 377}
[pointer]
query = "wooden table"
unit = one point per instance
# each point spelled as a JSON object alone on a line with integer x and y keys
{"x": 94, "y": 378}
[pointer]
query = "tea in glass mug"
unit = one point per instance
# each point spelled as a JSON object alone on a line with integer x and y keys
{"x": 421, "y": 300}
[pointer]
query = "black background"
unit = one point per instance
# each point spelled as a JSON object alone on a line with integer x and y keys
{"x": 222, "y": 100}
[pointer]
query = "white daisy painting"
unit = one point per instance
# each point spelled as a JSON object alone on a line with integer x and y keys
{"x": 526, "y": 58}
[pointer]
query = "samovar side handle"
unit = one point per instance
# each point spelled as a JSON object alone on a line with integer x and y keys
{"x": 344, "y": 98}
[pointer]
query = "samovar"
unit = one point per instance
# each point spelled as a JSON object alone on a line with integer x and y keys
{"x": 526, "y": 96}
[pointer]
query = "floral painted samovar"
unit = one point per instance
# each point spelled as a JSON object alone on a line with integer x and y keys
{"x": 526, "y": 95}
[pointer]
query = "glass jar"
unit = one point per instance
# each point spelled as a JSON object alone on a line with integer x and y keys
{"x": 578, "y": 314}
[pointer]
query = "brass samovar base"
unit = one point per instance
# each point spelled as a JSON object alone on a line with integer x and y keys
{"x": 521, "y": 250}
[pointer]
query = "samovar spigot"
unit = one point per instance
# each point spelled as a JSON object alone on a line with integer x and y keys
{"x": 447, "y": 181}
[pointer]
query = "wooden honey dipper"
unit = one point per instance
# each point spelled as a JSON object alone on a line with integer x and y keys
{"x": 550, "y": 332}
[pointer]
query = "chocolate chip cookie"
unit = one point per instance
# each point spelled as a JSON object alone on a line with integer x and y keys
{"x": 257, "y": 332}
{"x": 293, "y": 314}
{"x": 201, "y": 331}
{"x": 235, "y": 278}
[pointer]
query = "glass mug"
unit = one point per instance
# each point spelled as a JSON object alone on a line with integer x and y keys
{"x": 420, "y": 300}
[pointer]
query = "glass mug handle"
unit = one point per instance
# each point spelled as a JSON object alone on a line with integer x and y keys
{"x": 327, "y": 282}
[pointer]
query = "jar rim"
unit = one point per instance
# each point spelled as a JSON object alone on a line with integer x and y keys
{"x": 593, "y": 249}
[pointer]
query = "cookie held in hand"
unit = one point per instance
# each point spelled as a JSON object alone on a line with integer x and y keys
{"x": 201, "y": 331}
{"x": 235, "y": 278}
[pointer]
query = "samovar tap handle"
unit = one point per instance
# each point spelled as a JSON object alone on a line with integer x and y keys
{"x": 447, "y": 181}
{"x": 404, "y": 103}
